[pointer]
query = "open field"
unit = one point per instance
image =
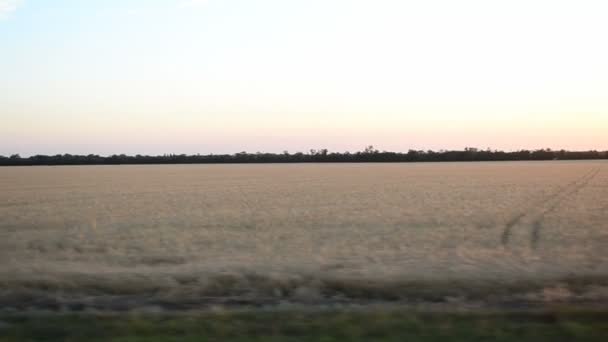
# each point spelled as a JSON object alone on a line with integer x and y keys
{"x": 191, "y": 237}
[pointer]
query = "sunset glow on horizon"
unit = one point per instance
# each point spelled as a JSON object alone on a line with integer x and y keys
{"x": 223, "y": 76}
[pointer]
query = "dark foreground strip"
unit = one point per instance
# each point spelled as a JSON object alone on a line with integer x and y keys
{"x": 309, "y": 325}
{"x": 115, "y": 294}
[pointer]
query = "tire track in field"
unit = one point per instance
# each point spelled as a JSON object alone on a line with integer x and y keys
{"x": 537, "y": 225}
{"x": 544, "y": 206}
{"x": 507, "y": 231}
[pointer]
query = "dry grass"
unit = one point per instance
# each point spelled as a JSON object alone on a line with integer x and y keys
{"x": 290, "y": 231}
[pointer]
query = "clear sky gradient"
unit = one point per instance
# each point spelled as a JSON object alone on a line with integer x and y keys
{"x": 222, "y": 76}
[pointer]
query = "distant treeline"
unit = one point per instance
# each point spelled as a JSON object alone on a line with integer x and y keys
{"x": 369, "y": 154}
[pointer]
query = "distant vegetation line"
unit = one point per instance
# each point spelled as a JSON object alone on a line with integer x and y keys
{"x": 369, "y": 154}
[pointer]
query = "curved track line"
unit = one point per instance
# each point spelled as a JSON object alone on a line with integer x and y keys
{"x": 537, "y": 225}
{"x": 552, "y": 200}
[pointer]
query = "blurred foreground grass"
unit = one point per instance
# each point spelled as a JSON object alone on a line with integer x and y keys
{"x": 370, "y": 325}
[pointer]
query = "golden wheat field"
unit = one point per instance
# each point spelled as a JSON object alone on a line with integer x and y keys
{"x": 186, "y": 236}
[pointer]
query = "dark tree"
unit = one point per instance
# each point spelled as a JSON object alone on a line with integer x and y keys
{"x": 369, "y": 154}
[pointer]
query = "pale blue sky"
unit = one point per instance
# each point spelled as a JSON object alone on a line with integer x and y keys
{"x": 163, "y": 76}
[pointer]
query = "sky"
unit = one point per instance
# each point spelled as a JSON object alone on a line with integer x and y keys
{"x": 224, "y": 76}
